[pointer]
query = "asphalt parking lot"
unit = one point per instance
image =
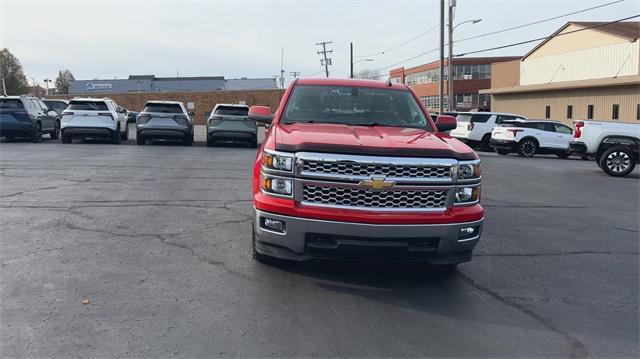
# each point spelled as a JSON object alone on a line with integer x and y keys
{"x": 155, "y": 240}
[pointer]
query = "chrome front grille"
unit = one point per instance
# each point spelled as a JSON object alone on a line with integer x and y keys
{"x": 349, "y": 169}
{"x": 361, "y": 198}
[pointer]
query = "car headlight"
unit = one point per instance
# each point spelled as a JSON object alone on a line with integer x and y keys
{"x": 468, "y": 170}
{"x": 276, "y": 185}
{"x": 277, "y": 161}
{"x": 467, "y": 194}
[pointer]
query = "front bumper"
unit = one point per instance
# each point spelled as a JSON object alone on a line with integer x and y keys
{"x": 503, "y": 144}
{"x": 306, "y": 239}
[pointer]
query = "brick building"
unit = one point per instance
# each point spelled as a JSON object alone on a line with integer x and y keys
{"x": 470, "y": 75}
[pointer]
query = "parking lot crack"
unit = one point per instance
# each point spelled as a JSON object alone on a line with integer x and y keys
{"x": 577, "y": 349}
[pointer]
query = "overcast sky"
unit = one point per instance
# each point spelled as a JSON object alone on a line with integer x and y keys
{"x": 107, "y": 39}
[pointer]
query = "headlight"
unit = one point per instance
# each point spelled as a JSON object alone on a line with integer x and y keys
{"x": 467, "y": 194}
{"x": 276, "y": 185}
{"x": 468, "y": 170}
{"x": 277, "y": 162}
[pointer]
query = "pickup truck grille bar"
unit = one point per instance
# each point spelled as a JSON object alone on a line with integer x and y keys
{"x": 351, "y": 196}
{"x": 356, "y": 168}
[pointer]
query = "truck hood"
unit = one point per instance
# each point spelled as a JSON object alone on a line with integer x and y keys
{"x": 369, "y": 140}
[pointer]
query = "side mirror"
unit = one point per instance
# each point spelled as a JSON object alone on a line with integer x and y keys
{"x": 446, "y": 123}
{"x": 260, "y": 114}
{"x": 52, "y": 113}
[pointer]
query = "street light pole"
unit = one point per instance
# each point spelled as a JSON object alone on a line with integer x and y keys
{"x": 351, "y": 62}
{"x": 450, "y": 94}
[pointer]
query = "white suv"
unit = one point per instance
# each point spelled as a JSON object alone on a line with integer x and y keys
{"x": 93, "y": 117}
{"x": 475, "y": 128}
{"x": 528, "y": 138}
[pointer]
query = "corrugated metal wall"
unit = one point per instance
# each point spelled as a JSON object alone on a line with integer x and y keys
{"x": 598, "y": 62}
{"x": 533, "y": 104}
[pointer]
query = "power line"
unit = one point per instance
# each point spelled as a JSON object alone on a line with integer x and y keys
{"x": 539, "y": 21}
{"x": 409, "y": 59}
{"x": 401, "y": 44}
{"x": 545, "y": 37}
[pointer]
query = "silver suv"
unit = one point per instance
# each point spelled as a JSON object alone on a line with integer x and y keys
{"x": 229, "y": 122}
{"x": 164, "y": 120}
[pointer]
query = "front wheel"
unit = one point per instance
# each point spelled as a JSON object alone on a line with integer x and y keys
{"x": 36, "y": 136}
{"x": 527, "y": 148}
{"x": 65, "y": 138}
{"x": 618, "y": 161}
{"x": 140, "y": 140}
{"x": 484, "y": 143}
{"x": 125, "y": 135}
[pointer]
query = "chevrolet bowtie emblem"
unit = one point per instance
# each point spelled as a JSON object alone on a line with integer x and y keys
{"x": 377, "y": 184}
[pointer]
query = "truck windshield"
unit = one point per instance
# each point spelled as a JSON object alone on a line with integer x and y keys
{"x": 232, "y": 111}
{"x": 162, "y": 107}
{"x": 10, "y": 103}
{"x": 355, "y": 106}
{"x": 87, "y": 106}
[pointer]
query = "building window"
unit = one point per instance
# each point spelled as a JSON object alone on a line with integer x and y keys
{"x": 616, "y": 112}
{"x": 547, "y": 112}
{"x": 638, "y": 112}
{"x": 590, "y": 112}
{"x": 569, "y": 112}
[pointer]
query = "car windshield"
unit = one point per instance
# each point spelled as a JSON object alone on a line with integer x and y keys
{"x": 87, "y": 106}
{"x": 354, "y": 106}
{"x": 57, "y": 105}
{"x": 163, "y": 108}
{"x": 232, "y": 111}
{"x": 11, "y": 104}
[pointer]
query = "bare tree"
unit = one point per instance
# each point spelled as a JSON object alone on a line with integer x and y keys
{"x": 11, "y": 71}
{"x": 367, "y": 74}
{"x": 63, "y": 81}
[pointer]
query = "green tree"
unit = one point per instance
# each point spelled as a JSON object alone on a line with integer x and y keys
{"x": 63, "y": 81}
{"x": 11, "y": 71}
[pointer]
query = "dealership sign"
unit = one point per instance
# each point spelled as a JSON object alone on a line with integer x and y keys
{"x": 92, "y": 86}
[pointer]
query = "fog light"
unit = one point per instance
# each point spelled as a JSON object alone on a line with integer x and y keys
{"x": 467, "y": 233}
{"x": 273, "y": 225}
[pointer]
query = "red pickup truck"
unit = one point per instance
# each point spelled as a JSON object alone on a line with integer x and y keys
{"x": 357, "y": 170}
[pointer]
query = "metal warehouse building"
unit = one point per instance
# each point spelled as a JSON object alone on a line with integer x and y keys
{"x": 585, "y": 70}
{"x": 151, "y": 83}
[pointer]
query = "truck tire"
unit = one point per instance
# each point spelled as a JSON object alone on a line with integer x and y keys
{"x": 527, "y": 147}
{"x": 618, "y": 161}
{"x": 115, "y": 136}
{"x": 36, "y": 136}
{"x": 56, "y": 131}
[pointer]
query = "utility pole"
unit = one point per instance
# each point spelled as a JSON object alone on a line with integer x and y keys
{"x": 46, "y": 81}
{"x": 326, "y": 61}
{"x": 450, "y": 93}
{"x": 282, "y": 69}
{"x": 441, "y": 82}
{"x": 351, "y": 56}
{"x": 295, "y": 74}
